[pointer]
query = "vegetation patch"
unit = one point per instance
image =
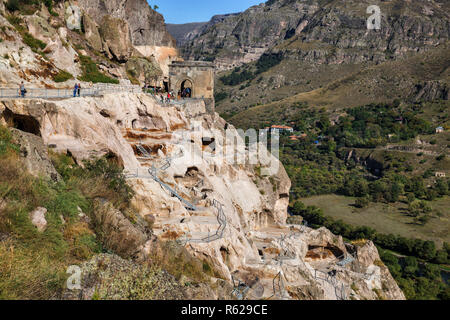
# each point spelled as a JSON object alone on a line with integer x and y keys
{"x": 91, "y": 72}
{"x": 62, "y": 76}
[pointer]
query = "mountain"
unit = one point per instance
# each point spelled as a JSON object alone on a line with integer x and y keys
{"x": 340, "y": 62}
{"x": 328, "y": 31}
{"x": 186, "y": 32}
{"x": 131, "y": 191}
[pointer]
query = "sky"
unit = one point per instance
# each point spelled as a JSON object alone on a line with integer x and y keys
{"x": 184, "y": 11}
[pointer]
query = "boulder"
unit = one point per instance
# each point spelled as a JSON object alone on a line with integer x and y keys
{"x": 38, "y": 218}
{"x": 35, "y": 155}
{"x": 91, "y": 33}
{"x": 143, "y": 69}
{"x": 116, "y": 37}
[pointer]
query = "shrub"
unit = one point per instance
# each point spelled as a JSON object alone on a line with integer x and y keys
{"x": 13, "y": 5}
{"x": 91, "y": 72}
{"x": 362, "y": 202}
{"x": 62, "y": 76}
{"x": 33, "y": 43}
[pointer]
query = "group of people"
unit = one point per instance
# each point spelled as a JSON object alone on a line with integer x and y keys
{"x": 77, "y": 89}
{"x": 166, "y": 97}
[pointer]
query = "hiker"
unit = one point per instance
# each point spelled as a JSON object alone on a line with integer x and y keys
{"x": 79, "y": 89}
{"x": 22, "y": 90}
{"x": 75, "y": 90}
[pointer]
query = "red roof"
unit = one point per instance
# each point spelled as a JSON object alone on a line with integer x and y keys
{"x": 281, "y": 127}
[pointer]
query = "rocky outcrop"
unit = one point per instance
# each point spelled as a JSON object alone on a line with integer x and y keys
{"x": 333, "y": 33}
{"x": 147, "y": 27}
{"x": 115, "y": 34}
{"x": 188, "y": 31}
{"x": 119, "y": 234}
{"x": 37, "y": 218}
{"x": 34, "y": 154}
{"x": 255, "y": 245}
{"x": 431, "y": 90}
{"x": 109, "y": 277}
{"x": 143, "y": 69}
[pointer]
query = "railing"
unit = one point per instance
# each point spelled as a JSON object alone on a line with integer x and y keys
{"x": 153, "y": 171}
{"x": 330, "y": 277}
{"x": 240, "y": 289}
{"x": 278, "y": 285}
{"x": 163, "y": 100}
{"x": 344, "y": 260}
{"x": 66, "y": 93}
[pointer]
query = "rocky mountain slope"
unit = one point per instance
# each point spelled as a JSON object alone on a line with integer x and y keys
{"x": 341, "y": 62}
{"x": 188, "y": 31}
{"x": 38, "y": 46}
{"x": 323, "y": 31}
{"x": 256, "y": 246}
{"x": 190, "y": 208}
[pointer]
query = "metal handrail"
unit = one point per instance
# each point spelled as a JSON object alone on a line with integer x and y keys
{"x": 67, "y": 93}
{"x": 221, "y": 218}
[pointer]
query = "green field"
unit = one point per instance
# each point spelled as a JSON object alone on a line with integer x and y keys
{"x": 387, "y": 218}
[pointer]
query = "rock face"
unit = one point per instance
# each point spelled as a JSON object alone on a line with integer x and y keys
{"x": 333, "y": 33}
{"x": 147, "y": 27}
{"x": 109, "y": 277}
{"x": 243, "y": 205}
{"x": 35, "y": 155}
{"x": 115, "y": 33}
{"x": 188, "y": 31}
{"x": 38, "y": 219}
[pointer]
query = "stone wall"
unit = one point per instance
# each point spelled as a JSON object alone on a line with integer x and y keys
{"x": 198, "y": 75}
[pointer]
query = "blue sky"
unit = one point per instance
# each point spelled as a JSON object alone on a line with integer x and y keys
{"x": 183, "y": 11}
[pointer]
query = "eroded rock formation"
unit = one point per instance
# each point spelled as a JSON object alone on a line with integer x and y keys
{"x": 255, "y": 246}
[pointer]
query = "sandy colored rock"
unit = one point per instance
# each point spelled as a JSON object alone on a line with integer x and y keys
{"x": 38, "y": 218}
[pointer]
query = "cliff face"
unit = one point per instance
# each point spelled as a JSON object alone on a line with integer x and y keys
{"x": 245, "y": 206}
{"x": 147, "y": 27}
{"x": 111, "y": 34}
{"x": 323, "y": 32}
{"x": 188, "y": 31}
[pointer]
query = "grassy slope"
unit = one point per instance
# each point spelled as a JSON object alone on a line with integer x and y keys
{"x": 355, "y": 85}
{"x": 33, "y": 264}
{"x": 386, "y": 218}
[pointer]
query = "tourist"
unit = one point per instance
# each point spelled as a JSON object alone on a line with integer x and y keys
{"x": 79, "y": 89}
{"x": 22, "y": 90}
{"x": 75, "y": 90}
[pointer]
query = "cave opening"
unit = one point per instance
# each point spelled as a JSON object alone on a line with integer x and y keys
{"x": 22, "y": 122}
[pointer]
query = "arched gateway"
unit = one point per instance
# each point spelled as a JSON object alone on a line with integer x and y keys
{"x": 195, "y": 79}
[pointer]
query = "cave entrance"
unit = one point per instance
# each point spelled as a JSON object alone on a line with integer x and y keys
{"x": 186, "y": 88}
{"x": 22, "y": 122}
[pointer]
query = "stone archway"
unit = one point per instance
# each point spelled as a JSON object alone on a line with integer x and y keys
{"x": 186, "y": 87}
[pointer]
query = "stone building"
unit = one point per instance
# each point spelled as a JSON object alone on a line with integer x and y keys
{"x": 196, "y": 75}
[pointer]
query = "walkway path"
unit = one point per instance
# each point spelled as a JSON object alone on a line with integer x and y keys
{"x": 67, "y": 93}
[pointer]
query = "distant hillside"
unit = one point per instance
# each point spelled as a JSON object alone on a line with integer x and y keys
{"x": 184, "y": 33}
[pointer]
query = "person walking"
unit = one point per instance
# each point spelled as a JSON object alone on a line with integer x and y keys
{"x": 79, "y": 89}
{"x": 22, "y": 89}
{"x": 75, "y": 90}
